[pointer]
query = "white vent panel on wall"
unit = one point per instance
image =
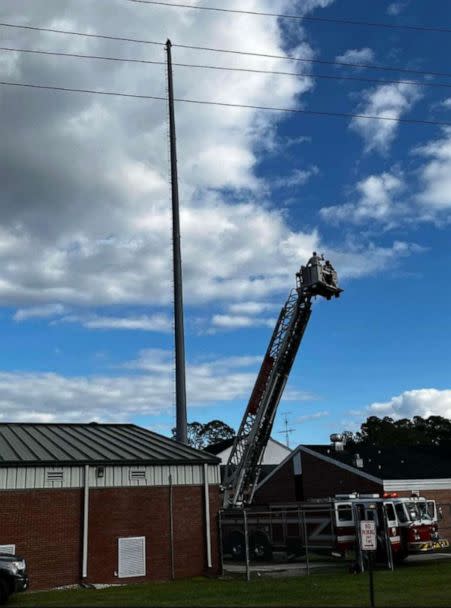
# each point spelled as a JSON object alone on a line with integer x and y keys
{"x": 132, "y": 557}
{"x": 297, "y": 464}
{"x": 10, "y": 549}
{"x": 137, "y": 474}
{"x": 55, "y": 476}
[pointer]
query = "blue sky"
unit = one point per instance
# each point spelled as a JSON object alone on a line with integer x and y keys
{"x": 85, "y": 281}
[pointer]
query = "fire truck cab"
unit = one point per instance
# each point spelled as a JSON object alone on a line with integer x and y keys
{"x": 418, "y": 520}
{"x": 409, "y": 523}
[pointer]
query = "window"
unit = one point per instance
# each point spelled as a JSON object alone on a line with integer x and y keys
{"x": 390, "y": 512}
{"x": 413, "y": 511}
{"x": 401, "y": 513}
{"x": 344, "y": 513}
{"x": 424, "y": 511}
{"x": 132, "y": 557}
{"x": 10, "y": 549}
{"x": 431, "y": 509}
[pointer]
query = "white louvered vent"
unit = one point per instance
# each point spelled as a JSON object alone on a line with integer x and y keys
{"x": 55, "y": 475}
{"x": 297, "y": 464}
{"x": 136, "y": 475}
{"x": 10, "y": 549}
{"x": 132, "y": 557}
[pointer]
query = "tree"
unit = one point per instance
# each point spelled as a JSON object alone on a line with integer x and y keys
{"x": 201, "y": 435}
{"x": 387, "y": 431}
{"x": 216, "y": 431}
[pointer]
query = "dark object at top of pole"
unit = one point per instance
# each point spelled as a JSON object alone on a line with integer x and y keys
{"x": 180, "y": 383}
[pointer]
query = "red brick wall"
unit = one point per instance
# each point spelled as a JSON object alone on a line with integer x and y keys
{"x": 122, "y": 512}
{"x": 280, "y": 487}
{"x": 45, "y": 527}
{"x": 320, "y": 479}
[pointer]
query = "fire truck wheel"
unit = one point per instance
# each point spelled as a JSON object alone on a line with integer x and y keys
{"x": 260, "y": 547}
{"x": 236, "y": 546}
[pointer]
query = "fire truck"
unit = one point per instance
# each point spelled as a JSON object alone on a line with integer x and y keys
{"x": 332, "y": 526}
{"x": 404, "y": 525}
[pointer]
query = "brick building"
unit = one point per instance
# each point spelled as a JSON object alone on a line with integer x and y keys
{"x": 106, "y": 503}
{"x": 319, "y": 471}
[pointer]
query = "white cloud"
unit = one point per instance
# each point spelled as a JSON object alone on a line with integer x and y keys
{"x": 356, "y": 56}
{"x": 240, "y": 321}
{"x": 377, "y": 200}
{"x": 446, "y": 103}
{"x": 46, "y": 397}
{"x": 392, "y": 101}
{"x": 298, "y": 177}
{"x": 306, "y": 6}
{"x": 435, "y": 175}
{"x": 38, "y": 312}
{"x": 423, "y": 402}
{"x": 309, "y": 417}
{"x": 396, "y": 8}
{"x": 250, "y": 308}
{"x": 97, "y": 167}
{"x": 357, "y": 262}
{"x": 157, "y": 322}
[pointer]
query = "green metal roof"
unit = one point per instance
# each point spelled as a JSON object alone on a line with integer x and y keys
{"x": 73, "y": 444}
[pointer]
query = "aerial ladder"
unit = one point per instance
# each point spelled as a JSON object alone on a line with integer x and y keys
{"x": 317, "y": 278}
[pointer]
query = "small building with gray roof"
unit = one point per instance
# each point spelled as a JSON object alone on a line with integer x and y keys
{"x": 106, "y": 503}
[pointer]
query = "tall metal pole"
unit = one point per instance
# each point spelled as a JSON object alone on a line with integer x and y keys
{"x": 180, "y": 382}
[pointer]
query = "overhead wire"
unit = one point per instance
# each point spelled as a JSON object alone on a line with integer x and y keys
{"x": 232, "y": 51}
{"x": 53, "y": 30}
{"x": 411, "y": 121}
{"x": 334, "y": 20}
{"x": 226, "y": 68}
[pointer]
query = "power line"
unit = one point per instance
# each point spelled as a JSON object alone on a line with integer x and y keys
{"x": 223, "y": 104}
{"x": 82, "y": 56}
{"x": 335, "y": 20}
{"x": 228, "y": 68}
{"x": 82, "y": 34}
{"x": 366, "y": 66}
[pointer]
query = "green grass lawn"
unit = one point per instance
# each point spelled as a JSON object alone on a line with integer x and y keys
{"x": 412, "y": 585}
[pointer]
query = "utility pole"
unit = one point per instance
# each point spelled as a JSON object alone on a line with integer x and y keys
{"x": 287, "y": 431}
{"x": 180, "y": 381}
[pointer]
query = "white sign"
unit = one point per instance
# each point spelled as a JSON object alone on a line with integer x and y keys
{"x": 368, "y": 535}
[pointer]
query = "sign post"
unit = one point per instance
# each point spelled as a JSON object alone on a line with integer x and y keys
{"x": 369, "y": 544}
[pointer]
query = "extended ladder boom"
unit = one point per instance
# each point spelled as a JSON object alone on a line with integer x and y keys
{"x": 243, "y": 466}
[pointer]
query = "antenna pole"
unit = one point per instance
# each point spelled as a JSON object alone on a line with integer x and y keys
{"x": 287, "y": 431}
{"x": 180, "y": 381}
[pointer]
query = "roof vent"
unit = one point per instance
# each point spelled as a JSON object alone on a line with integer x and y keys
{"x": 338, "y": 442}
{"x": 358, "y": 461}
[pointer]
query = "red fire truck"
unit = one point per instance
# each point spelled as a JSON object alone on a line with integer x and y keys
{"x": 331, "y": 526}
{"x": 410, "y": 524}
{"x": 404, "y": 525}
